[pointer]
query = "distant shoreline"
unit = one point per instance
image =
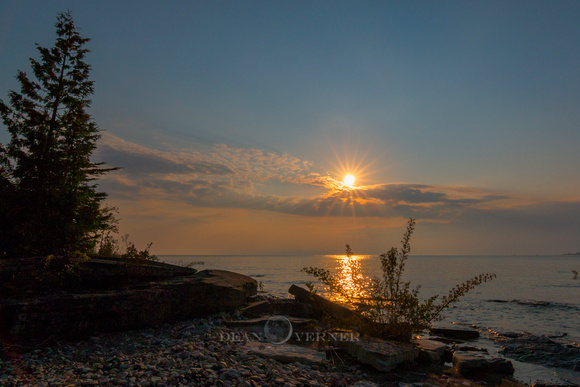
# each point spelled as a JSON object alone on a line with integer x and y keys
{"x": 365, "y": 255}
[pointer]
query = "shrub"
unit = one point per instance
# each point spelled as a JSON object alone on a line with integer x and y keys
{"x": 110, "y": 247}
{"x": 132, "y": 253}
{"x": 392, "y": 307}
{"x": 59, "y": 272}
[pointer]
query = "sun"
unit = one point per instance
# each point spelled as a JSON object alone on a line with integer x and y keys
{"x": 348, "y": 180}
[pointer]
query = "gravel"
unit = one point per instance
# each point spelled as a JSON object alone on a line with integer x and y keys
{"x": 189, "y": 353}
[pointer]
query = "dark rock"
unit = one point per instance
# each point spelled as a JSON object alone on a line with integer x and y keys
{"x": 430, "y": 351}
{"x": 382, "y": 355}
{"x": 558, "y": 335}
{"x": 283, "y": 307}
{"x": 93, "y": 274}
{"x": 295, "y": 308}
{"x": 542, "y": 350}
{"x": 445, "y": 340}
{"x": 332, "y": 308}
{"x": 257, "y": 324}
{"x": 257, "y": 308}
{"x": 469, "y": 348}
{"x": 477, "y": 364}
{"x": 364, "y": 383}
{"x": 448, "y": 355}
{"x": 74, "y": 315}
{"x": 513, "y": 335}
{"x": 456, "y": 332}
{"x": 102, "y": 273}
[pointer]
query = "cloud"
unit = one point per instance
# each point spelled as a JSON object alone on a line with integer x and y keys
{"x": 137, "y": 159}
{"x": 234, "y": 178}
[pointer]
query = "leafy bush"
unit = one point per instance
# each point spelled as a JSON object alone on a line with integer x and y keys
{"x": 392, "y": 307}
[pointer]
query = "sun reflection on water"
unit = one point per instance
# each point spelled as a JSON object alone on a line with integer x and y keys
{"x": 351, "y": 278}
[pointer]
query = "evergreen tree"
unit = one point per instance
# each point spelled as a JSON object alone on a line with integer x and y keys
{"x": 49, "y": 203}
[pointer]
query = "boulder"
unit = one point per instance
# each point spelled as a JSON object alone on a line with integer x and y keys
{"x": 430, "y": 351}
{"x": 382, "y": 355}
{"x": 478, "y": 364}
{"x": 285, "y": 353}
{"x": 208, "y": 292}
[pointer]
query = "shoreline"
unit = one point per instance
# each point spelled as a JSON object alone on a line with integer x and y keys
{"x": 190, "y": 352}
{"x": 187, "y": 353}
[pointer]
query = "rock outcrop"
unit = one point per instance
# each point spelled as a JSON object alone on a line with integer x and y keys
{"x": 542, "y": 350}
{"x": 74, "y": 315}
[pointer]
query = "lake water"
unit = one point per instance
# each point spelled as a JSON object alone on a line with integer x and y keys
{"x": 535, "y": 294}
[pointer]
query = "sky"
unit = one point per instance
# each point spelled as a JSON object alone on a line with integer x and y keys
{"x": 235, "y": 123}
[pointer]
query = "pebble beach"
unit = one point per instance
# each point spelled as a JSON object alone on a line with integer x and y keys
{"x": 188, "y": 353}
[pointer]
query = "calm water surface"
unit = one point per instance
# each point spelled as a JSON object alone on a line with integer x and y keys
{"x": 535, "y": 294}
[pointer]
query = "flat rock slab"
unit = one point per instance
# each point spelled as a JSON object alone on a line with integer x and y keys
{"x": 542, "y": 350}
{"x": 456, "y": 332}
{"x": 73, "y": 315}
{"x": 99, "y": 273}
{"x": 147, "y": 269}
{"x": 430, "y": 351}
{"x": 285, "y": 353}
{"x": 475, "y": 364}
{"x": 382, "y": 355}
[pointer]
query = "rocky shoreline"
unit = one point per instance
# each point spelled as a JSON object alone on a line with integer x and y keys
{"x": 190, "y": 353}
{"x": 210, "y": 329}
